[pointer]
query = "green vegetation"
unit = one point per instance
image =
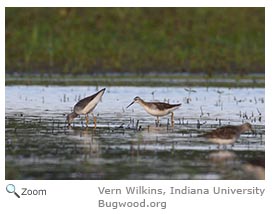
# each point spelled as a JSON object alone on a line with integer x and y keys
{"x": 251, "y": 80}
{"x": 125, "y": 40}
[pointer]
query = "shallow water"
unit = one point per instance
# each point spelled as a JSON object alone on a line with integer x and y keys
{"x": 126, "y": 143}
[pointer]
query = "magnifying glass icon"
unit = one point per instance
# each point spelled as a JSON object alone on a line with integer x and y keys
{"x": 11, "y": 189}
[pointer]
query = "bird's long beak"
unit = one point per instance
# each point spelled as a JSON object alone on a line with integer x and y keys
{"x": 68, "y": 122}
{"x": 130, "y": 104}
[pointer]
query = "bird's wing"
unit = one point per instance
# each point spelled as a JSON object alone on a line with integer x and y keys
{"x": 85, "y": 101}
{"x": 163, "y": 106}
{"x": 225, "y": 132}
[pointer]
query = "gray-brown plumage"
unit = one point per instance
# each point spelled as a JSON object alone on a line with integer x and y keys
{"x": 86, "y": 106}
{"x": 157, "y": 108}
{"x": 227, "y": 134}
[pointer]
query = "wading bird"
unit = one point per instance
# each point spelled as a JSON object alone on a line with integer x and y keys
{"x": 157, "y": 109}
{"x": 86, "y": 106}
{"x": 227, "y": 134}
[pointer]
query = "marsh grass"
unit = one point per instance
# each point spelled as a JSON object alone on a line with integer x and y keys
{"x": 251, "y": 80}
{"x": 140, "y": 40}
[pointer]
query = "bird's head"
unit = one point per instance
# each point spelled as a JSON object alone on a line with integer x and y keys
{"x": 247, "y": 127}
{"x": 135, "y": 100}
{"x": 70, "y": 117}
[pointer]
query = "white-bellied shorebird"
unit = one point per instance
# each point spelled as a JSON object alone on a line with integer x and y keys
{"x": 227, "y": 134}
{"x": 86, "y": 106}
{"x": 157, "y": 109}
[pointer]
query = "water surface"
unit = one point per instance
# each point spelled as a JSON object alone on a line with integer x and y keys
{"x": 126, "y": 143}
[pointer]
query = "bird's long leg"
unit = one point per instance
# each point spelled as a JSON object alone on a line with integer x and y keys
{"x": 94, "y": 120}
{"x": 157, "y": 121}
{"x": 172, "y": 119}
{"x": 87, "y": 120}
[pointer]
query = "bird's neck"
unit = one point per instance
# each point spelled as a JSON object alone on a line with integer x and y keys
{"x": 243, "y": 128}
{"x": 142, "y": 102}
{"x": 73, "y": 114}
